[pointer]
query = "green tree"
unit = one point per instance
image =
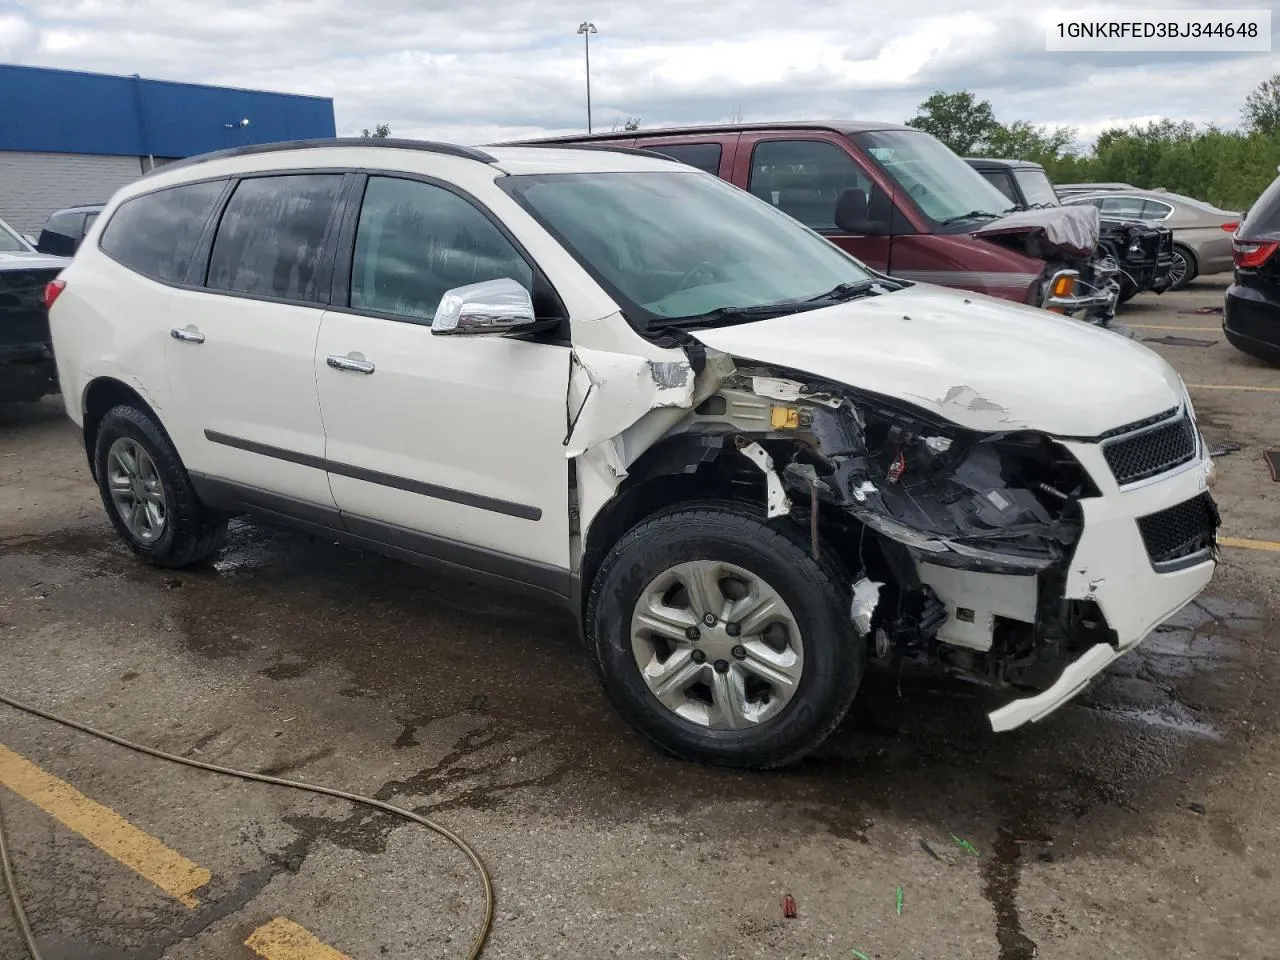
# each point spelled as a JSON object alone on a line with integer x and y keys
{"x": 1021, "y": 140}
{"x": 959, "y": 120}
{"x": 1262, "y": 107}
{"x": 380, "y": 132}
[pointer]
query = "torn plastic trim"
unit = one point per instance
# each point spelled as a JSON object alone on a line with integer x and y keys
{"x": 777, "y": 503}
{"x": 866, "y": 596}
{"x": 619, "y": 389}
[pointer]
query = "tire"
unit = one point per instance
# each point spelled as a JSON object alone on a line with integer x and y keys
{"x": 1191, "y": 270}
{"x": 732, "y": 540}
{"x": 186, "y": 531}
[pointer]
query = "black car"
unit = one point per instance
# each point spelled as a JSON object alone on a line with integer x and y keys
{"x": 65, "y": 229}
{"x": 1142, "y": 252}
{"x": 1251, "y": 318}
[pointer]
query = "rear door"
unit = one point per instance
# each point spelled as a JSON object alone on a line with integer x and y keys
{"x": 814, "y": 178}
{"x": 241, "y": 355}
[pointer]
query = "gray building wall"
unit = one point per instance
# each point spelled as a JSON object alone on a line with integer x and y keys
{"x": 33, "y": 185}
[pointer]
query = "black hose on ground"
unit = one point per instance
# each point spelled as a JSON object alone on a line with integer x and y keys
{"x": 20, "y": 916}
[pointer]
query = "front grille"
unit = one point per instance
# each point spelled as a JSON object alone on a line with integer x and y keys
{"x": 1181, "y": 531}
{"x": 1143, "y": 450}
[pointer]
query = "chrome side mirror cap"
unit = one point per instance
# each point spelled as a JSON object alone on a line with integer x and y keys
{"x": 489, "y": 307}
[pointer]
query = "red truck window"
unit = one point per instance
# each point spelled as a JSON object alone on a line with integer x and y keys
{"x": 804, "y": 178}
{"x": 704, "y": 156}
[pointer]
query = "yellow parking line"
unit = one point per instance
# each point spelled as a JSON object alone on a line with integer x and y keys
{"x": 282, "y": 939}
{"x": 1232, "y": 386}
{"x": 104, "y": 828}
{"x": 1271, "y": 546}
{"x": 1161, "y": 326}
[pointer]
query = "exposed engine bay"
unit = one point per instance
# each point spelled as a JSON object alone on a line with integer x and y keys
{"x": 958, "y": 540}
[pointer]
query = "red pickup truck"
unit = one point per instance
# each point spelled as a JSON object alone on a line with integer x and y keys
{"x": 904, "y": 204}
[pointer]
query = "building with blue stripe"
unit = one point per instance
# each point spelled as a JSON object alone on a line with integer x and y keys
{"x": 69, "y": 138}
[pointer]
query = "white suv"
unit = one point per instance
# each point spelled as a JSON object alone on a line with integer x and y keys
{"x": 746, "y": 462}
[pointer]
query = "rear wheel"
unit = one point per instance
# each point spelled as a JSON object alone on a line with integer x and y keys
{"x": 721, "y": 639}
{"x": 147, "y": 493}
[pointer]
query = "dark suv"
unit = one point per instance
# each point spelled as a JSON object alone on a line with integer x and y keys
{"x": 1251, "y": 319}
{"x": 64, "y": 230}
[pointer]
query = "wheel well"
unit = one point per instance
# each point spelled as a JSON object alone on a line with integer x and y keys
{"x": 691, "y": 467}
{"x": 682, "y": 468}
{"x": 1189, "y": 254}
{"x": 99, "y": 397}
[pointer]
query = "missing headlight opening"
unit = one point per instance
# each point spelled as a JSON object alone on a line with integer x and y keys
{"x": 958, "y": 541}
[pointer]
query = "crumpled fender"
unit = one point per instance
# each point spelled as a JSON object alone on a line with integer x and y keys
{"x": 1070, "y": 230}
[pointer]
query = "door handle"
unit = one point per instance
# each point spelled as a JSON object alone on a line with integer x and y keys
{"x": 356, "y": 364}
{"x": 188, "y": 335}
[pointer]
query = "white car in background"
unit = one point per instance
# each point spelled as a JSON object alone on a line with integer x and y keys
{"x": 744, "y": 461}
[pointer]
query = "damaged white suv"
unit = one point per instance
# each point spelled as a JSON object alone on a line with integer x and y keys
{"x": 748, "y": 463}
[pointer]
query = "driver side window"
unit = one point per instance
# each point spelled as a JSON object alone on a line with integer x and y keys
{"x": 415, "y": 241}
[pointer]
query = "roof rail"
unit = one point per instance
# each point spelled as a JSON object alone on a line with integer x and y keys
{"x": 631, "y": 151}
{"x": 427, "y": 146}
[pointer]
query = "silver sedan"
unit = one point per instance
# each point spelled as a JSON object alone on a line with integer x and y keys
{"x": 1201, "y": 232}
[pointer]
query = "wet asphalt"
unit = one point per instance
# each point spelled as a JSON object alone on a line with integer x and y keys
{"x": 1139, "y": 821}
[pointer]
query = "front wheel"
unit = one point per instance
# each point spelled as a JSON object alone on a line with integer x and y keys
{"x": 1183, "y": 269}
{"x": 722, "y": 639}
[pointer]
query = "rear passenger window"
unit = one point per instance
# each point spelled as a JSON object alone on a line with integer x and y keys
{"x": 415, "y": 241}
{"x": 704, "y": 156}
{"x": 272, "y": 235}
{"x": 1155, "y": 210}
{"x": 805, "y": 178}
{"x": 157, "y": 233}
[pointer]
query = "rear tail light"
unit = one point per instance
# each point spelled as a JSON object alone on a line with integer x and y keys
{"x": 1252, "y": 255}
{"x": 1231, "y": 227}
{"x": 52, "y": 290}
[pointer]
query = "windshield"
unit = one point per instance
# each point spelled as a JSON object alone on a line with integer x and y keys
{"x": 943, "y": 186}
{"x": 10, "y": 242}
{"x": 672, "y": 246}
{"x": 1035, "y": 187}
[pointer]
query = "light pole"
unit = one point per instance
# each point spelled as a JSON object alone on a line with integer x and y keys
{"x": 587, "y": 28}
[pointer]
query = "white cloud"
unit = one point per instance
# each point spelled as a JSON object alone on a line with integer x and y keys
{"x": 492, "y": 69}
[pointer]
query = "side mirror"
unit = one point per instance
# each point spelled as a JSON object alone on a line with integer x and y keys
{"x": 853, "y": 215}
{"x": 489, "y": 307}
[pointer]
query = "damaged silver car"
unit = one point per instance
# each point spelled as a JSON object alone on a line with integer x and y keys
{"x": 749, "y": 464}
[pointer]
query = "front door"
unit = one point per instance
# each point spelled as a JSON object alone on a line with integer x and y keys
{"x": 449, "y": 446}
{"x": 815, "y": 179}
{"x": 241, "y": 357}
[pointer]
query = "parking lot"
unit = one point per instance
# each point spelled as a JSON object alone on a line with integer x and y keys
{"x": 1140, "y": 821}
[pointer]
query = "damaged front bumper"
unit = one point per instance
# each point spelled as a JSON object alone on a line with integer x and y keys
{"x": 1112, "y": 567}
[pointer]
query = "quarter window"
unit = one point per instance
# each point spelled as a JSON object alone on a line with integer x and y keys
{"x": 156, "y": 234}
{"x": 416, "y": 241}
{"x": 1155, "y": 210}
{"x": 1123, "y": 207}
{"x": 704, "y": 156}
{"x": 805, "y": 178}
{"x": 272, "y": 234}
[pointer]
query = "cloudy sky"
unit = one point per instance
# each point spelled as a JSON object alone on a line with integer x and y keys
{"x": 477, "y": 70}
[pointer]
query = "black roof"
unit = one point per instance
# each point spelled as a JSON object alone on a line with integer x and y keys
{"x": 850, "y": 126}
{"x": 994, "y": 163}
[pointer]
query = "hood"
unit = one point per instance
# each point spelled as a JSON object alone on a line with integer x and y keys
{"x": 1069, "y": 230}
{"x": 31, "y": 260}
{"x": 979, "y": 362}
